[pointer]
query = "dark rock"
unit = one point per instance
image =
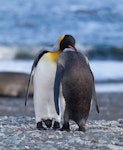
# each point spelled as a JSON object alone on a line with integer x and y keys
{"x": 14, "y": 84}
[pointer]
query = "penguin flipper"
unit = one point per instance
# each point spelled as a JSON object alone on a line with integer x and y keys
{"x": 93, "y": 90}
{"x": 28, "y": 86}
{"x": 94, "y": 93}
{"x": 36, "y": 60}
{"x": 58, "y": 77}
{"x": 95, "y": 98}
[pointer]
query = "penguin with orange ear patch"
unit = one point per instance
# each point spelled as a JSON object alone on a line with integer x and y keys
{"x": 43, "y": 73}
{"x": 75, "y": 76}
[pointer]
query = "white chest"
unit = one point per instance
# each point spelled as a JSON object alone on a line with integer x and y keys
{"x": 45, "y": 73}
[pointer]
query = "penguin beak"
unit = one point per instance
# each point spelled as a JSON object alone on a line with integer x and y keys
{"x": 72, "y": 47}
{"x": 58, "y": 77}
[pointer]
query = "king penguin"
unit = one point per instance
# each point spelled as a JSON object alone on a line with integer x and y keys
{"x": 77, "y": 81}
{"x": 43, "y": 73}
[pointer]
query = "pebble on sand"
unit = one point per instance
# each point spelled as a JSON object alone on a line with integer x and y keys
{"x": 21, "y": 133}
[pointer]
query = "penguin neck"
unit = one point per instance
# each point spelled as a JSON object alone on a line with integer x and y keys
{"x": 72, "y": 48}
{"x": 53, "y": 56}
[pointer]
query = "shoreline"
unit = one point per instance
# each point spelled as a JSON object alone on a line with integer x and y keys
{"x": 14, "y": 84}
{"x": 110, "y": 104}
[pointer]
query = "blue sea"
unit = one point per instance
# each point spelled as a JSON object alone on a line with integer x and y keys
{"x": 27, "y": 26}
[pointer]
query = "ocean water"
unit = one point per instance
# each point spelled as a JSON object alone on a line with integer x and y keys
{"x": 27, "y": 26}
{"x": 40, "y": 22}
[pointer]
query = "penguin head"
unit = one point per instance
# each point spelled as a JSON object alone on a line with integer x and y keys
{"x": 65, "y": 41}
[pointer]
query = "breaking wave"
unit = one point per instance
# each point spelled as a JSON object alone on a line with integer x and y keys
{"x": 93, "y": 52}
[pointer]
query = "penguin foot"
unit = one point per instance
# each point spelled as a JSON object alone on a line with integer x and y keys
{"x": 56, "y": 125}
{"x": 81, "y": 129}
{"x": 40, "y": 126}
{"x": 65, "y": 127}
{"x": 48, "y": 123}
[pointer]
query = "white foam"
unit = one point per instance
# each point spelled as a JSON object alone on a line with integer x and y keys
{"x": 7, "y": 52}
{"x": 16, "y": 65}
{"x": 102, "y": 70}
{"x": 107, "y": 70}
{"x": 109, "y": 87}
{"x": 10, "y": 52}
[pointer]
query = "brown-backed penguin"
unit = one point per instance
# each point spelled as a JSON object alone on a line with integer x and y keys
{"x": 76, "y": 78}
{"x": 43, "y": 73}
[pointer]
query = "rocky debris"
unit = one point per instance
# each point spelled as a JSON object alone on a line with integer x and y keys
{"x": 14, "y": 84}
{"x": 20, "y": 133}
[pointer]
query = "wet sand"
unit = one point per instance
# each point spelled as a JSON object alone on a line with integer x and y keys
{"x": 111, "y": 107}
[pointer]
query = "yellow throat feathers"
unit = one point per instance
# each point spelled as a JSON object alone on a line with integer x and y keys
{"x": 53, "y": 56}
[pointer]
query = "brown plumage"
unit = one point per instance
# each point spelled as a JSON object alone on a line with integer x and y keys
{"x": 77, "y": 86}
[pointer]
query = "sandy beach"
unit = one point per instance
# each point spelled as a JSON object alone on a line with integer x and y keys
{"x": 18, "y": 128}
{"x": 111, "y": 106}
{"x": 104, "y": 131}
